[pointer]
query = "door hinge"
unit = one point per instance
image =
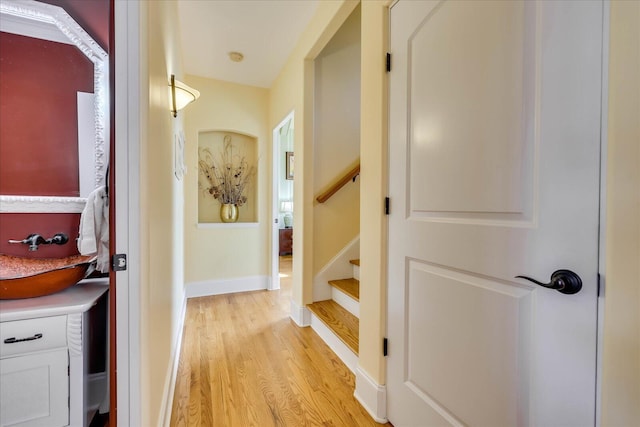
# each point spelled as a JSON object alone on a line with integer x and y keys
{"x": 599, "y": 285}
{"x": 388, "y": 62}
{"x": 387, "y": 203}
{"x": 119, "y": 262}
{"x": 385, "y": 346}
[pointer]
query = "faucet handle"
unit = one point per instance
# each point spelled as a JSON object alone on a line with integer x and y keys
{"x": 57, "y": 239}
{"x": 33, "y": 240}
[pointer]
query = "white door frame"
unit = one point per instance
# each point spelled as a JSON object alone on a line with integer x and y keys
{"x": 604, "y": 143}
{"x": 275, "y": 203}
{"x": 129, "y": 24}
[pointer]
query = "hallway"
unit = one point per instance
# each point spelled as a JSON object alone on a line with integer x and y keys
{"x": 244, "y": 362}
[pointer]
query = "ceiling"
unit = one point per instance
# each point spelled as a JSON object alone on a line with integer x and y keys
{"x": 264, "y": 31}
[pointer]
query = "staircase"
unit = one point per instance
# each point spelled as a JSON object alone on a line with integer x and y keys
{"x": 336, "y": 319}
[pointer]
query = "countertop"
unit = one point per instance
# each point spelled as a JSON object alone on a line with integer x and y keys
{"x": 76, "y": 299}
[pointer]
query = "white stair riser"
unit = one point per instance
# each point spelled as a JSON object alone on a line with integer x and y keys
{"x": 356, "y": 272}
{"x": 345, "y": 301}
{"x": 331, "y": 339}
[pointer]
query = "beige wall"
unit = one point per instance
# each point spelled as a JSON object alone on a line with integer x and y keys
{"x": 161, "y": 212}
{"x": 336, "y": 145}
{"x": 293, "y": 91}
{"x": 621, "y": 352}
{"x": 221, "y": 251}
{"x": 373, "y": 158}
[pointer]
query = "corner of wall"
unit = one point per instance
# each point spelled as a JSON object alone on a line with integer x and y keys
{"x": 300, "y": 315}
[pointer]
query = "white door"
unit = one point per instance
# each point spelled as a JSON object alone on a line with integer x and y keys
{"x": 495, "y": 112}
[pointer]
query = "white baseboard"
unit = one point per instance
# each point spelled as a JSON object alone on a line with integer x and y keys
{"x": 371, "y": 395}
{"x": 338, "y": 268}
{"x": 172, "y": 371}
{"x": 339, "y": 348}
{"x": 300, "y": 315}
{"x": 272, "y": 285}
{"x": 226, "y": 286}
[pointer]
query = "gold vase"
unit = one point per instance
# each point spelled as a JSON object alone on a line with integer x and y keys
{"x": 228, "y": 212}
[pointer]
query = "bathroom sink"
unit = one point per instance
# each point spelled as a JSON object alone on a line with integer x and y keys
{"x": 29, "y": 277}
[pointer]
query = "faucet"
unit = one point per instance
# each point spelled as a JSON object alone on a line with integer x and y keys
{"x": 33, "y": 240}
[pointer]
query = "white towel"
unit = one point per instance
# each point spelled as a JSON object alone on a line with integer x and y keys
{"x": 94, "y": 228}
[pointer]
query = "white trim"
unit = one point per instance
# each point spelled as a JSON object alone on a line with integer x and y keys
{"x": 33, "y": 28}
{"x": 337, "y": 268}
{"x": 172, "y": 371}
{"x": 130, "y": 114}
{"x": 345, "y": 301}
{"x": 371, "y": 395}
{"x": 275, "y": 201}
{"x": 335, "y": 344}
{"x": 226, "y": 286}
{"x": 604, "y": 132}
{"x": 300, "y": 315}
{"x": 271, "y": 286}
{"x": 35, "y": 204}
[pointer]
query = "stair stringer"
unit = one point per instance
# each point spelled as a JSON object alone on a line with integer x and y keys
{"x": 337, "y": 268}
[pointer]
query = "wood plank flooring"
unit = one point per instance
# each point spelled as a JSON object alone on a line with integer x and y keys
{"x": 245, "y": 363}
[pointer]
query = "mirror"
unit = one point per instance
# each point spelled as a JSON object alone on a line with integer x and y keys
{"x": 47, "y": 22}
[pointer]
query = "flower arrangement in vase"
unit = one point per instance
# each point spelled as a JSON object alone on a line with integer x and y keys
{"x": 226, "y": 178}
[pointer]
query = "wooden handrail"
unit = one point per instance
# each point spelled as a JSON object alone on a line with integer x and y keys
{"x": 339, "y": 184}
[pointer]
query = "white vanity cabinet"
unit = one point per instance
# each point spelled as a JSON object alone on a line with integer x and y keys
{"x": 44, "y": 358}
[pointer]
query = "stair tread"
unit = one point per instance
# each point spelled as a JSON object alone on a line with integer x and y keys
{"x": 350, "y": 287}
{"x": 344, "y": 324}
{"x": 355, "y": 262}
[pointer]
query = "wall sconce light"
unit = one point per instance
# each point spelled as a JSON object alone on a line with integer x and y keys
{"x": 181, "y": 95}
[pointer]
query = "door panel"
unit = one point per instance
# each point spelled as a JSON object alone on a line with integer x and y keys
{"x": 34, "y": 389}
{"x": 494, "y": 170}
{"x": 492, "y": 321}
{"x": 489, "y": 90}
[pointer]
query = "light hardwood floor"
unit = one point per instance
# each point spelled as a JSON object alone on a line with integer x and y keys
{"x": 245, "y": 363}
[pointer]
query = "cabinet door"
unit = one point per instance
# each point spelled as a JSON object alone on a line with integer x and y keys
{"x": 34, "y": 390}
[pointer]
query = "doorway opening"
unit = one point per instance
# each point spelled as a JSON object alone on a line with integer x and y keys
{"x": 282, "y": 203}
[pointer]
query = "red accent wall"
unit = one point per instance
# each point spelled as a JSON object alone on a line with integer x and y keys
{"x": 92, "y": 15}
{"x": 39, "y": 115}
{"x": 17, "y": 226}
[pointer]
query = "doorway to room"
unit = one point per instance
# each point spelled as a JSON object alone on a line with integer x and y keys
{"x": 282, "y": 202}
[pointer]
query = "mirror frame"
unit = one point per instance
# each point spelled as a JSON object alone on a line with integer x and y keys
{"x": 44, "y": 21}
